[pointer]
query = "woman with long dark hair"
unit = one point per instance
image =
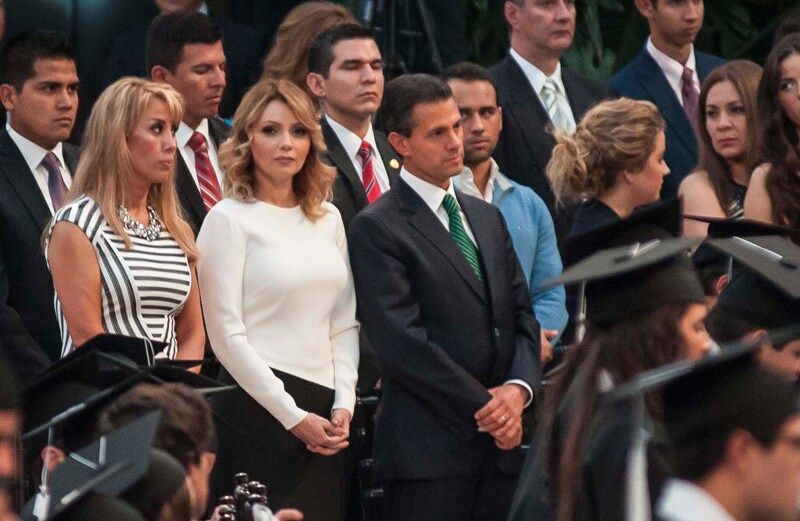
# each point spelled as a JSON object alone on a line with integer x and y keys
{"x": 774, "y": 193}
{"x": 730, "y": 139}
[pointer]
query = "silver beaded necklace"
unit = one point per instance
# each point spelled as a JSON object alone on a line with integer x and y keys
{"x": 149, "y": 233}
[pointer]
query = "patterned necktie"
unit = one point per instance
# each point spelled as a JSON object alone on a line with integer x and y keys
{"x": 206, "y": 177}
{"x": 459, "y": 234}
{"x": 55, "y": 182}
{"x": 368, "y": 177}
{"x": 689, "y": 96}
{"x": 550, "y": 93}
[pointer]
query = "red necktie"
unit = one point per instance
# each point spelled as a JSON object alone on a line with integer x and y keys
{"x": 368, "y": 177}
{"x": 206, "y": 177}
{"x": 689, "y": 96}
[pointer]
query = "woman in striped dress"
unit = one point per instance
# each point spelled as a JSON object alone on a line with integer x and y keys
{"x": 121, "y": 256}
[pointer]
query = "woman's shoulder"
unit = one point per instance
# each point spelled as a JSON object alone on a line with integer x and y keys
{"x": 81, "y": 211}
{"x": 760, "y": 173}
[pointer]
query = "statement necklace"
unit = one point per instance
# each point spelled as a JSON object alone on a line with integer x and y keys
{"x": 133, "y": 226}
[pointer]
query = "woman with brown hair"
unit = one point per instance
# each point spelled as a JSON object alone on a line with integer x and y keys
{"x": 288, "y": 57}
{"x": 730, "y": 138}
{"x": 612, "y": 164}
{"x": 121, "y": 255}
{"x": 774, "y": 193}
{"x": 280, "y": 305}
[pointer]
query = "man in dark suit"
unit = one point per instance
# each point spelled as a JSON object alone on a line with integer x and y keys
{"x": 443, "y": 298}
{"x": 668, "y": 72}
{"x": 39, "y": 90}
{"x": 185, "y": 50}
{"x": 244, "y": 47}
{"x": 537, "y": 94}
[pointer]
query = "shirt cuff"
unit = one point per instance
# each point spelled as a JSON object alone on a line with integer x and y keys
{"x": 524, "y": 386}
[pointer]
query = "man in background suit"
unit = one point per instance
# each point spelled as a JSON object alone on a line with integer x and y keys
{"x": 537, "y": 94}
{"x": 39, "y": 90}
{"x": 185, "y": 50}
{"x": 442, "y": 297}
{"x": 668, "y": 72}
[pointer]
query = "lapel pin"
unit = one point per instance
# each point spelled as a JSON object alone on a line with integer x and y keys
{"x": 394, "y": 163}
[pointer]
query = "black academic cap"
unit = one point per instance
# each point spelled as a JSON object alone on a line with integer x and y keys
{"x": 659, "y": 220}
{"x": 635, "y": 278}
{"x": 100, "y": 507}
{"x": 109, "y": 465}
{"x": 9, "y": 395}
{"x": 719, "y": 228}
{"x": 767, "y": 293}
{"x": 165, "y": 475}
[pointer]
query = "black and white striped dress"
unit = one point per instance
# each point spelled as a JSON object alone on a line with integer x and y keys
{"x": 143, "y": 289}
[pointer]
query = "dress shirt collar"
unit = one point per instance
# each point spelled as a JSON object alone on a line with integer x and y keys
{"x": 465, "y": 181}
{"x": 685, "y": 501}
{"x": 33, "y": 153}
{"x": 349, "y": 140}
{"x": 431, "y": 194}
{"x": 535, "y": 76}
{"x": 672, "y": 68}
{"x": 185, "y": 132}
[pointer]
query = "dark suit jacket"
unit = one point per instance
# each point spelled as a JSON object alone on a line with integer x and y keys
{"x": 525, "y": 145}
{"x": 194, "y": 209}
{"x": 244, "y": 47}
{"x": 643, "y": 79}
{"x": 443, "y": 337}
{"x": 31, "y": 336}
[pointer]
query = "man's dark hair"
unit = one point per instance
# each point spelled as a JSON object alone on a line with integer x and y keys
{"x": 186, "y": 428}
{"x": 789, "y": 24}
{"x": 467, "y": 72}
{"x": 404, "y": 93}
{"x": 170, "y": 32}
{"x": 320, "y": 51}
{"x": 20, "y": 54}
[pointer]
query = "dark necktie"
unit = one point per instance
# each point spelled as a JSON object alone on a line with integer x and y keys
{"x": 206, "y": 177}
{"x": 689, "y": 96}
{"x": 55, "y": 182}
{"x": 368, "y": 177}
{"x": 459, "y": 234}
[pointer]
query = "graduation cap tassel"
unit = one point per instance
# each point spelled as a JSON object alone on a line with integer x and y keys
{"x": 580, "y": 328}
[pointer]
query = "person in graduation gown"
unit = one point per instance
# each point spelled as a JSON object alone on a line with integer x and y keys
{"x": 644, "y": 317}
{"x": 612, "y": 164}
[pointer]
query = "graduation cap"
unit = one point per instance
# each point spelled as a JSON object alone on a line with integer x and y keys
{"x": 634, "y": 278}
{"x": 100, "y": 507}
{"x": 766, "y": 293}
{"x": 165, "y": 476}
{"x": 720, "y": 228}
{"x": 109, "y": 465}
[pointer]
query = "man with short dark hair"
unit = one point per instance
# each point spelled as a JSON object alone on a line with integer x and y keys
{"x": 39, "y": 90}
{"x": 444, "y": 301}
{"x": 538, "y": 94}
{"x": 668, "y": 72}
{"x": 185, "y": 50}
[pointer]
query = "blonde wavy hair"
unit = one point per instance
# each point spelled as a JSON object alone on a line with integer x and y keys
{"x": 105, "y": 164}
{"x": 312, "y": 185}
{"x": 613, "y": 137}
{"x": 288, "y": 57}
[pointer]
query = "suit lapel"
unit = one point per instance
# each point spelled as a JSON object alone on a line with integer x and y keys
{"x": 188, "y": 191}
{"x": 664, "y": 98}
{"x": 339, "y": 158}
{"x": 219, "y": 131}
{"x": 70, "y": 157}
{"x": 704, "y": 65}
{"x": 391, "y": 161}
{"x": 20, "y": 177}
{"x": 428, "y": 225}
{"x": 579, "y": 100}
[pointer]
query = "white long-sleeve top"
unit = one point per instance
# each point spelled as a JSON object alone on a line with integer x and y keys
{"x": 277, "y": 292}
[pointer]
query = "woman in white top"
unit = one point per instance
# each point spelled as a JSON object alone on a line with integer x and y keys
{"x": 280, "y": 305}
{"x": 121, "y": 256}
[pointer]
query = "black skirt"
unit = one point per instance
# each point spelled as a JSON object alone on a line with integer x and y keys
{"x": 251, "y": 440}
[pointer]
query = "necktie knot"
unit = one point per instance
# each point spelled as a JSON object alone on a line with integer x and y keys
{"x": 364, "y": 152}
{"x": 198, "y": 142}
{"x": 688, "y": 74}
{"x": 451, "y": 206}
{"x": 55, "y": 183}
{"x": 550, "y": 87}
{"x": 51, "y": 163}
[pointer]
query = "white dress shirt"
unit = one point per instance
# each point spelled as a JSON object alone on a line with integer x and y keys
{"x": 433, "y": 196}
{"x": 673, "y": 70}
{"x": 685, "y": 501}
{"x": 182, "y": 137}
{"x": 536, "y": 78}
{"x": 33, "y": 155}
{"x": 465, "y": 181}
{"x": 351, "y": 143}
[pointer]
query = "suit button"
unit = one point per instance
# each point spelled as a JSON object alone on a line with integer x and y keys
{"x": 496, "y": 333}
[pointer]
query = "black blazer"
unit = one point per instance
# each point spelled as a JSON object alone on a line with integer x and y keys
{"x": 194, "y": 209}
{"x": 30, "y": 336}
{"x": 443, "y": 337}
{"x": 348, "y": 190}
{"x": 525, "y": 144}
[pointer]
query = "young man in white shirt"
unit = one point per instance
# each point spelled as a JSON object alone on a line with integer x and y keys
{"x": 39, "y": 90}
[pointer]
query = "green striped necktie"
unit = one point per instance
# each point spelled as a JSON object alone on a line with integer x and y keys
{"x": 459, "y": 234}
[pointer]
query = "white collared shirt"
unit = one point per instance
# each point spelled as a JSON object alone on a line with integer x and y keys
{"x": 182, "y": 137}
{"x": 33, "y": 155}
{"x": 352, "y": 143}
{"x": 465, "y": 181}
{"x": 685, "y": 501}
{"x": 536, "y": 78}
{"x": 433, "y": 197}
{"x": 673, "y": 70}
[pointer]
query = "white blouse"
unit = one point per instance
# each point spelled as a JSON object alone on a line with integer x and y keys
{"x": 277, "y": 292}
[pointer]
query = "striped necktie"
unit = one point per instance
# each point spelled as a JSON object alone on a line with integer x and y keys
{"x": 550, "y": 93}
{"x": 206, "y": 177}
{"x": 459, "y": 234}
{"x": 368, "y": 177}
